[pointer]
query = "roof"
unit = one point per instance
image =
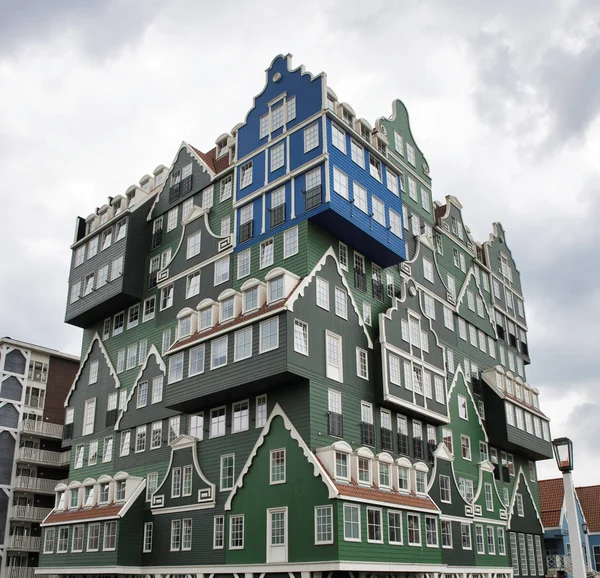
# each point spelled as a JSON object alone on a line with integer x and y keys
{"x": 38, "y": 348}
{"x": 524, "y": 405}
{"x": 551, "y": 501}
{"x": 589, "y": 498}
{"x": 216, "y": 165}
{"x": 353, "y": 490}
{"x": 83, "y": 514}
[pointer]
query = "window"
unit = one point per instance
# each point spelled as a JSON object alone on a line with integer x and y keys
{"x": 218, "y": 352}
{"x": 132, "y": 356}
{"x": 340, "y": 182}
{"x": 266, "y": 253}
{"x": 412, "y": 190}
{"x": 219, "y": 532}
{"x": 333, "y": 348}
{"x": 166, "y": 297}
{"x": 106, "y": 238}
{"x": 362, "y": 365}
{"x": 118, "y": 323}
{"x": 300, "y": 337}
{"x": 243, "y": 344}
{"x": 431, "y": 534}
{"x": 261, "y": 410}
{"x": 378, "y": 211}
{"x": 465, "y": 533}
{"x": 187, "y": 481}
{"x": 502, "y": 543}
{"x": 140, "y": 439}
{"x": 151, "y": 485}
{"x": 357, "y": 153}
{"x": 519, "y": 502}
{"x": 157, "y": 389}
{"x": 462, "y": 407}
{"x": 360, "y": 197}
{"x": 176, "y": 368}
{"x": 89, "y": 416}
{"x": 277, "y": 467}
{"x": 197, "y": 426}
{"x": 338, "y": 138}
{"x": 277, "y": 155}
{"x": 149, "y": 307}
{"x": 290, "y": 242}
{"x": 491, "y": 542}
{"x": 352, "y": 523}
{"x": 374, "y": 523}
{"x": 227, "y": 471}
{"x": 276, "y": 289}
{"x": 148, "y": 528}
{"x": 174, "y": 428}
{"x": 367, "y": 313}
{"x": 446, "y": 528}
{"x": 176, "y": 482}
{"x": 323, "y": 525}
{"x": 217, "y": 422}
{"x": 63, "y": 540}
{"x": 241, "y": 416}
{"x": 311, "y": 137}
{"x": 156, "y": 435}
{"x": 465, "y": 444}
{"x": 479, "y": 540}
{"x": 395, "y": 223}
{"x": 142, "y": 394}
{"x": 445, "y": 494}
{"x": 246, "y": 175}
{"x": 236, "y": 532}
{"x": 269, "y": 335}
{"x": 341, "y": 466}
{"x": 322, "y": 293}
{"x": 428, "y": 269}
{"x": 110, "y": 536}
{"x": 221, "y": 270}
{"x": 489, "y": 499}
{"x": 414, "y": 529}
{"x": 410, "y": 154}
{"x": 175, "y": 535}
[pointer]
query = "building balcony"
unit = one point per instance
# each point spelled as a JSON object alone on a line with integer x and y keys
{"x": 35, "y": 402}
{"x": 37, "y": 485}
{"x": 29, "y": 513}
{"x": 21, "y": 572}
{"x": 44, "y": 457}
{"x": 41, "y": 428}
{"x": 29, "y": 543}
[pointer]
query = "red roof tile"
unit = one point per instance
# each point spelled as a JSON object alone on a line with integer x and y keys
{"x": 389, "y": 496}
{"x": 216, "y": 165}
{"x": 108, "y": 511}
{"x": 551, "y": 500}
{"x": 589, "y": 498}
{"x": 440, "y": 212}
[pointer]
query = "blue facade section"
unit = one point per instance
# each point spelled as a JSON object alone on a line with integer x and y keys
{"x": 309, "y": 100}
{"x": 258, "y": 175}
{"x": 376, "y": 240}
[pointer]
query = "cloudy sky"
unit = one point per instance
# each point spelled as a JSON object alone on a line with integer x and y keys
{"x": 504, "y": 100}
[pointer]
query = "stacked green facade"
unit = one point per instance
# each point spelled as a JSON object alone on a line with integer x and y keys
{"x": 258, "y": 394}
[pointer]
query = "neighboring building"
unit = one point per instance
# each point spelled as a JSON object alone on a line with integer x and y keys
{"x": 294, "y": 361}
{"x": 556, "y": 530}
{"x": 34, "y": 382}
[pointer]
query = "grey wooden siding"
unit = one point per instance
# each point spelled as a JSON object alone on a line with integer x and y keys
{"x": 11, "y": 389}
{"x": 14, "y": 361}
{"x": 9, "y": 416}
{"x": 7, "y": 451}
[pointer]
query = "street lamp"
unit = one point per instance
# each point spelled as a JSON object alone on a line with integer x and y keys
{"x": 563, "y": 452}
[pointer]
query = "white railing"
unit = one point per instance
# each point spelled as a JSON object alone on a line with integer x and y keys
{"x": 44, "y": 456}
{"x": 42, "y": 428}
{"x": 24, "y": 542}
{"x": 32, "y": 513}
{"x": 560, "y": 562}
{"x": 37, "y": 484}
{"x": 21, "y": 572}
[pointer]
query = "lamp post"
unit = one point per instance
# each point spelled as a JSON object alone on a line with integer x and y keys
{"x": 563, "y": 452}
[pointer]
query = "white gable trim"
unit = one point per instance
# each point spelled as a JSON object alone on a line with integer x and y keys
{"x": 299, "y": 291}
{"x": 84, "y": 360}
{"x": 318, "y": 468}
{"x": 514, "y": 499}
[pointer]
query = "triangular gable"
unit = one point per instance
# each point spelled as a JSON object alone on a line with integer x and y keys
{"x": 203, "y": 499}
{"x": 471, "y": 282}
{"x": 299, "y": 291}
{"x": 84, "y": 360}
{"x": 521, "y": 478}
{"x": 193, "y": 153}
{"x": 161, "y": 364}
{"x": 453, "y": 385}
{"x": 318, "y": 469}
{"x": 496, "y": 244}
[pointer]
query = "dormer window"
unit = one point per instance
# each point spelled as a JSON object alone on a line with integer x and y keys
{"x": 61, "y": 498}
{"x": 250, "y": 299}
{"x": 519, "y": 390}
{"x": 536, "y": 400}
{"x": 527, "y": 396}
{"x": 365, "y": 132}
{"x": 364, "y": 471}
{"x": 384, "y": 475}
{"x": 221, "y": 148}
{"x": 116, "y": 205}
{"x": 227, "y": 309}
{"x": 89, "y": 496}
{"x": 348, "y": 118}
{"x": 73, "y": 498}
{"x": 276, "y": 289}
{"x": 205, "y": 318}
{"x": 341, "y": 466}
{"x": 103, "y": 217}
{"x": 381, "y": 146}
{"x": 331, "y": 104}
{"x": 403, "y": 479}
{"x": 103, "y": 494}
{"x": 421, "y": 482}
{"x": 120, "y": 492}
{"x": 185, "y": 326}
